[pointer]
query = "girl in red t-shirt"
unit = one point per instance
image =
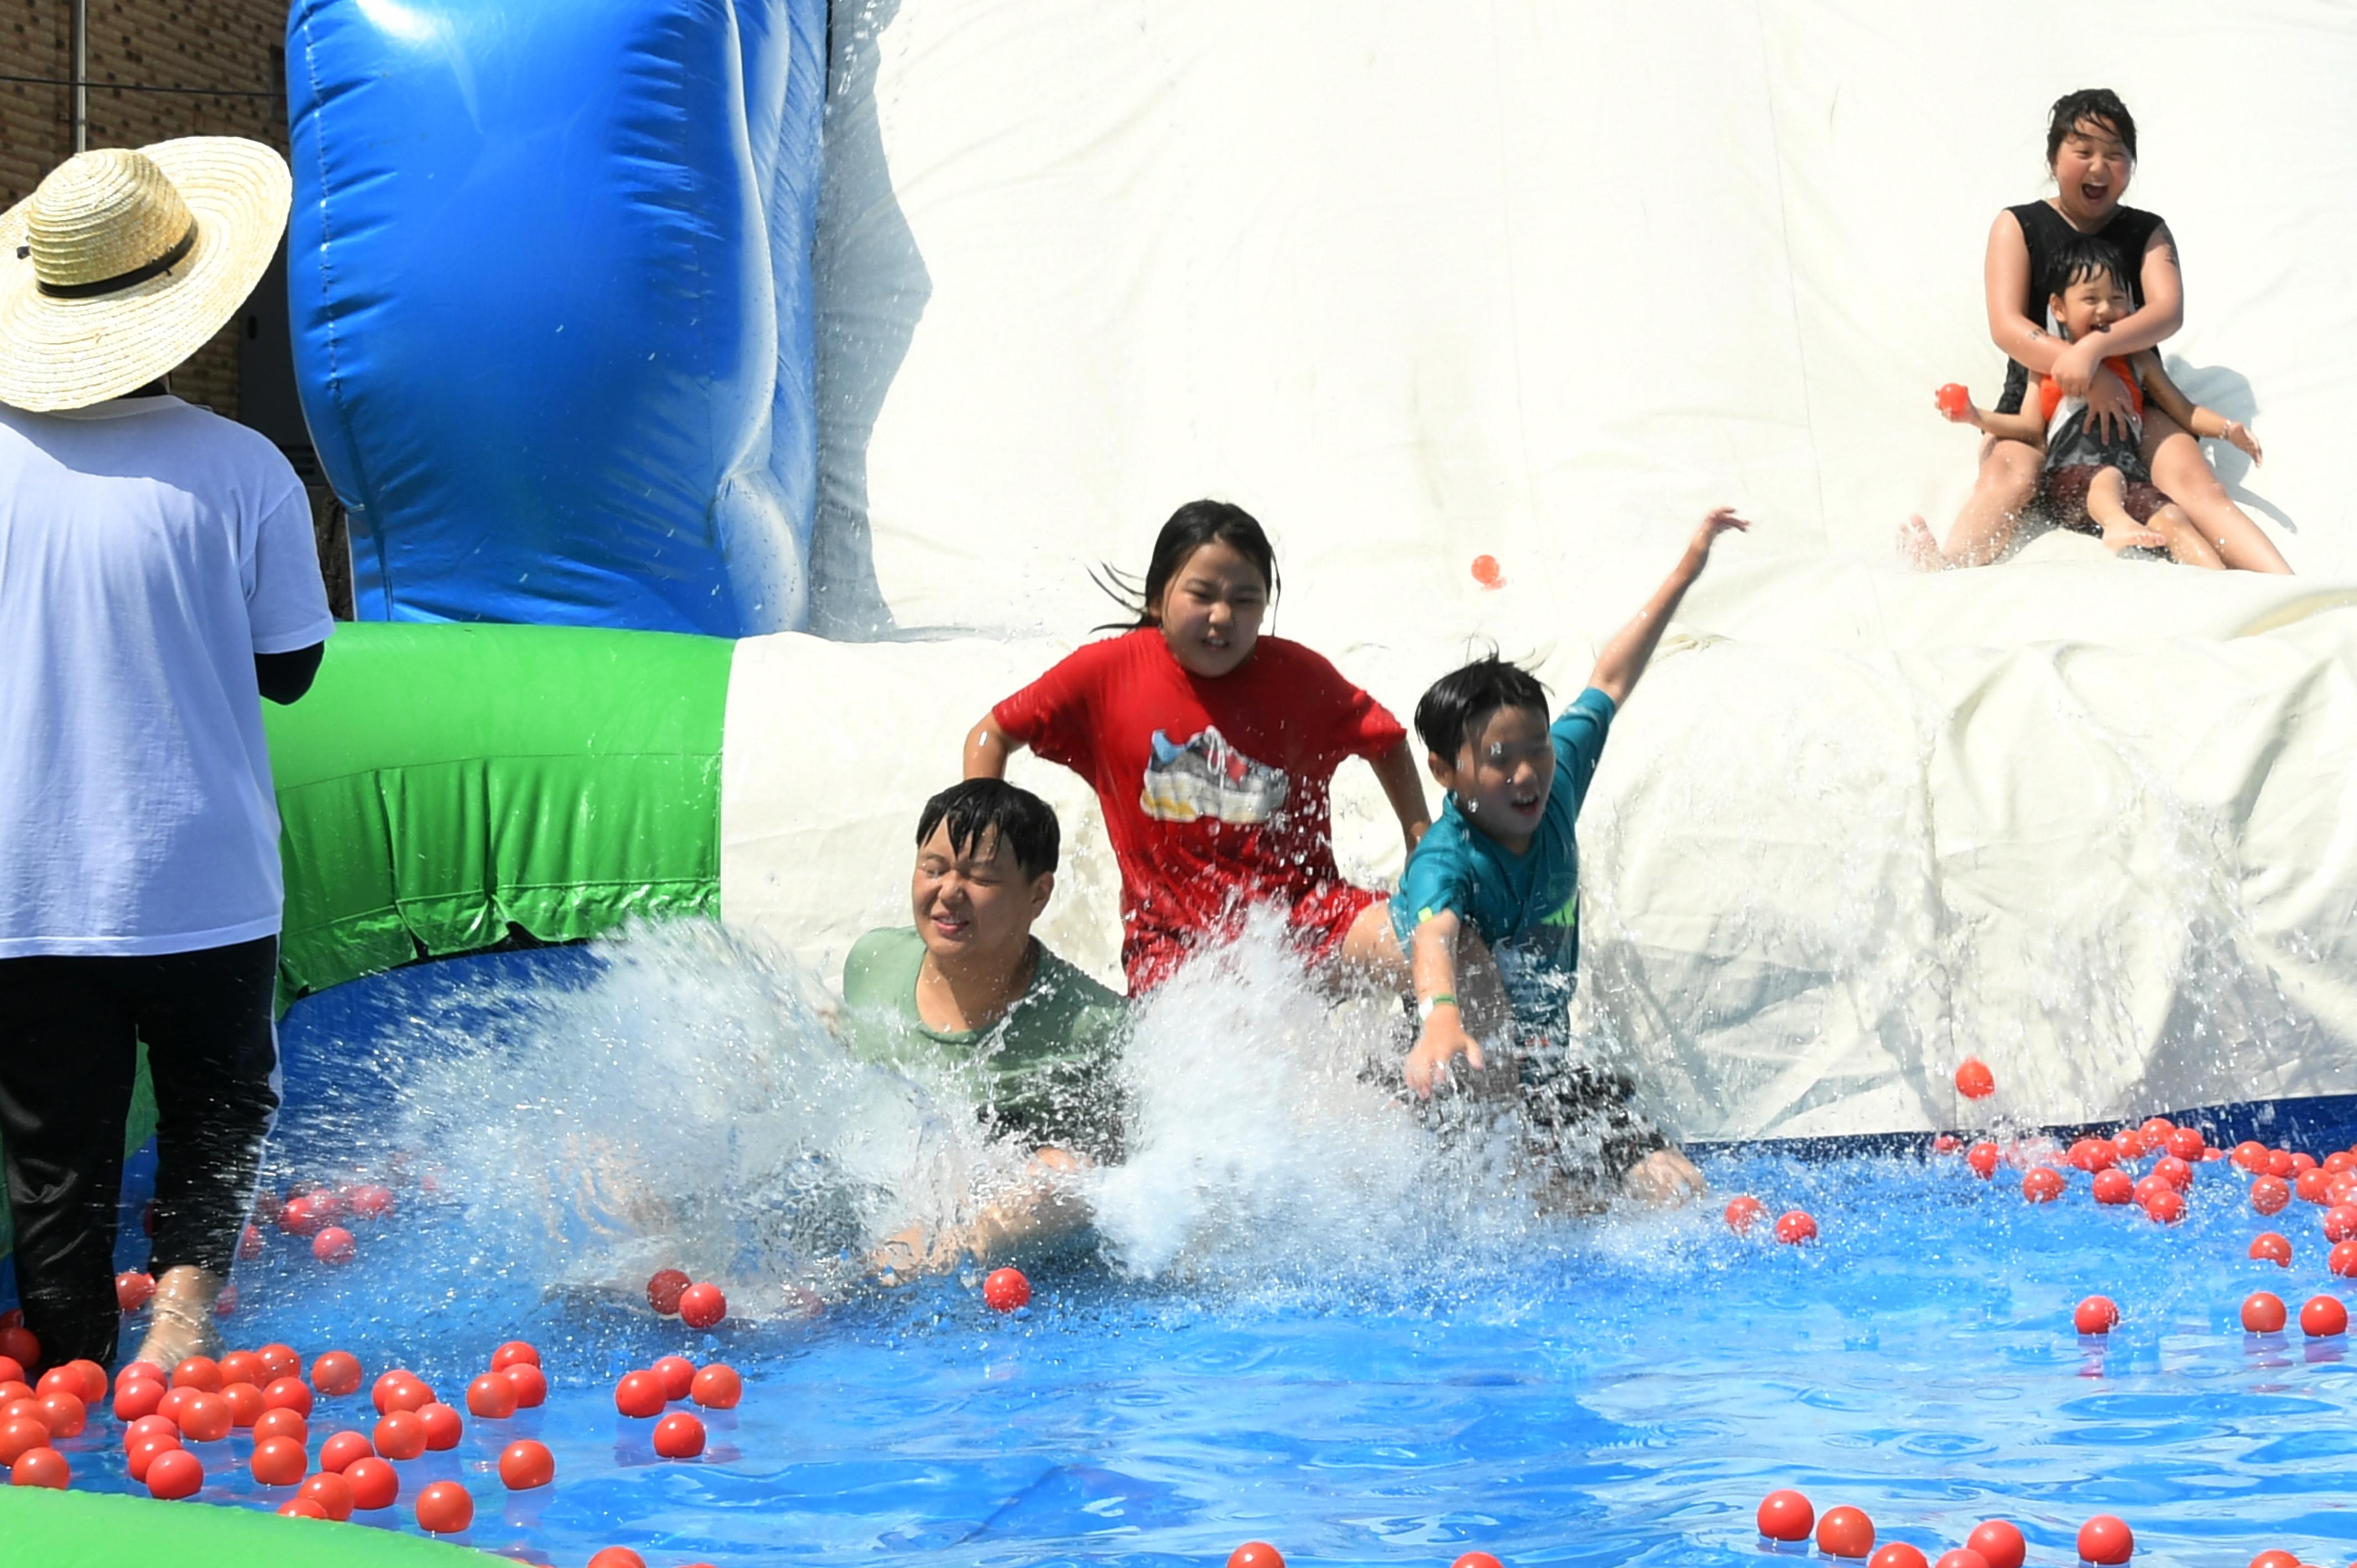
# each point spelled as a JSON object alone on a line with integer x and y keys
{"x": 1213, "y": 751}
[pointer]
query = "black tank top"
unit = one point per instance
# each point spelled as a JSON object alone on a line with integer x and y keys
{"x": 2046, "y": 232}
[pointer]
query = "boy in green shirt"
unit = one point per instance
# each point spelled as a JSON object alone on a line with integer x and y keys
{"x": 968, "y": 999}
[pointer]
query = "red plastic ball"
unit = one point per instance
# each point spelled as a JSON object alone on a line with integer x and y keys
{"x": 1954, "y": 398}
{"x": 198, "y": 1372}
{"x": 331, "y": 1494}
{"x": 334, "y": 1246}
{"x": 2300, "y": 1162}
{"x": 524, "y": 1464}
{"x": 16, "y": 1343}
{"x": 250, "y": 1243}
{"x": 530, "y": 1384}
{"x": 2188, "y": 1144}
{"x": 2342, "y": 1259}
{"x": 41, "y": 1467}
{"x": 676, "y": 1374}
{"x": 1846, "y": 1533}
{"x": 1998, "y": 1542}
{"x": 283, "y": 1423}
{"x": 2323, "y": 1316}
{"x": 2042, "y": 1184}
{"x": 240, "y": 1367}
{"x": 2174, "y": 1171}
{"x": 1786, "y": 1516}
{"x": 410, "y": 1393}
{"x": 2093, "y": 1155}
{"x": 63, "y": 1414}
{"x": 1477, "y": 1559}
{"x": 1795, "y": 1226}
{"x": 2281, "y": 1166}
{"x": 639, "y": 1395}
{"x": 2114, "y": 1187}
{"x": 2274, "y": 1560}
{"x": 492, "y": 1397}
{"x": 133, "y": 1290}
{"x": 13, "y": 1371}
{"x": 2106, "y": 1540}
{"x": 2096, "y": 1315}
{"x": 446, "y": 1507}
{"x": 443, "y": 1427}
{"x": 287, "y": 1393}
{"x": 2251, "y": 1156}
{"x": 2130, "y": 1144}
{"x": 375, "y": 1484}
{"x": 278, "y": 1361}
{"x": 300, "y": 1507}
{"x": 175, "y": 1473}
{"x": 244, "y": 1402}
{"x": 617, "y": 1557}
{"x": 702, "y": 1305}
{"x": 1974, "y": 1078}
{"x": 2269, "y": 1194}
{"x": 21, "y": 1434}
{"x": 205, "y": 1418}
{"x": 514, "y": 1352}
{"x": 679, "y": 1436}
{"x": 278, "y": 1462}
{"x": 300, "y": 1217}
{"x": 1255, "y": 1554}
{"x": 1742, "y": 1213}
{"x": 664, "y": 1288}
{"x": 1897, "y": 1554}
{"x": 139, "y": 1457}
{"x": 370, "y": 1202}
{"x": 1984, "y": 1159}
{"x": 1487, "y": 573}
{"x": 1005, "y": 1289}
{"x": 336, "y": 1374}
{"x": 399, "y": 1435}
{"x": 148, "y": 1426}
{"x": 2165, "y": 1207}
{"x": 2270, "y": 1248}
{"x": 2340, "y": 1222}
{"x": 717, "y": 1387}
{"x": 2309, "y": 1187}
{"x": 337, "y": 1454}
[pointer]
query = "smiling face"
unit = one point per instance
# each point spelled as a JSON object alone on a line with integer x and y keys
{"x": 1211, "y": 610}
{"x": 2090, "y": 305}
{"x": 2090, "y": 172}
{"x": 1502, "y": 773}
{"x": 976, "y": 907}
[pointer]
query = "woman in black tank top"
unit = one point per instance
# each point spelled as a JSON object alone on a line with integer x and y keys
{"x": 2090, "y": 154}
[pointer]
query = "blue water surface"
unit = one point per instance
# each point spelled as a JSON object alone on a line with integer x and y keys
{"x": 1616, "y": 1391}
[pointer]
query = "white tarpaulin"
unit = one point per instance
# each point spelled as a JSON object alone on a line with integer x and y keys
{"x": 1543, "y": 281}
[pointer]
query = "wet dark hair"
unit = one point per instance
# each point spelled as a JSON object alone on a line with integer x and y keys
{"x": 1458, "y": 702}
{"x": 982, "y": 814}
{"x": 1190, "y": 527}
{"x": 2100, "y": 104}
{"x": 2085, "y": 257}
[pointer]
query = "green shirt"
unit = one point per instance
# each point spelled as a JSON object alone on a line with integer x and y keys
{"x": 1044, "y": 1072}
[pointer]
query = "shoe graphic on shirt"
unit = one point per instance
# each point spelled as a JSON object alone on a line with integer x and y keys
{"x": 1209, "y": 778}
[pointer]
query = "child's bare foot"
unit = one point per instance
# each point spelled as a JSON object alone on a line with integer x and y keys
{"x": 181, "y": 1317}
{"x": 1918, "y": 548}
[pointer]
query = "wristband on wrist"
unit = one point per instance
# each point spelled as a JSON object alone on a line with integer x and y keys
{"x": 1427, "y": 1006}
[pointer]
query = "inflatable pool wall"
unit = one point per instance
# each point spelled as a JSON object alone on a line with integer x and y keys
{"x": 550, "y": 281}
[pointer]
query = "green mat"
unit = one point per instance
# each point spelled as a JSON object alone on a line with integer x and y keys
{"x": 40, "y": 1528}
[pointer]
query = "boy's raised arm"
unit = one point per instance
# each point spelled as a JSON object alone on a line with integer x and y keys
{"x": 1625, "y": 657}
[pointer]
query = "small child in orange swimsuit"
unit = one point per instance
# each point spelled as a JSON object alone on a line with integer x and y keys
{"x": 2097, "y": 482}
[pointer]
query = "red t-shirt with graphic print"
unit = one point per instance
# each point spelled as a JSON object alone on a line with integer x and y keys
{"x": 1215, "y": 791}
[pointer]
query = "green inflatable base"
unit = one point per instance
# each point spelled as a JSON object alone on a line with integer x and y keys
{"x": 85, "y": 1530}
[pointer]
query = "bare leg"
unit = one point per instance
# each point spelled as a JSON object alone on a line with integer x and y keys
{"x": 2121, "y": 531}
{"x": 2180, "y": 470}
{"x": 1371, "y": 950}
{"x": 2008, "y": 479}
{"x": 2186, "y": 546}
{"x": 181, "y": 1325}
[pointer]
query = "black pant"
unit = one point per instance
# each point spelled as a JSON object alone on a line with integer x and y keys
{"x": 68, "y": 1035}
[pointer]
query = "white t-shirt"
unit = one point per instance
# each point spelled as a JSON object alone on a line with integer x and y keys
{"x": 148, "y": 551}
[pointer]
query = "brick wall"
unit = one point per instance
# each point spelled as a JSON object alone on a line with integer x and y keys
{"x": 231, "y": 47}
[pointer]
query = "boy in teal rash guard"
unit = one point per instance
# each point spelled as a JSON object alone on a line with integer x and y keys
{"x": 1502, "y": 864}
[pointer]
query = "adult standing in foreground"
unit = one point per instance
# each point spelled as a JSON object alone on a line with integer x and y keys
{"x": 2090, "y": 153}
{"x": 157, "y": 579}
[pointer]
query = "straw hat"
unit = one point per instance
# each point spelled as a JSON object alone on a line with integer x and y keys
{"x": 123, "y": 263}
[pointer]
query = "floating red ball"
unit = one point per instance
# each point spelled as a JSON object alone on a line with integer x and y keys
{"x": 676, "y": 1374}
{"x": 663, "y": 1289}
{"x": 702, "y": 1305}
{"x": 399, "y": 1435}
{"x": 617, "y": 1557}
{"x": 375, "y": 1484}
{"x": 2114, "y": 1187}
{"x": 2096, "y": 1315}
{"x": 717, "y": 1387}
{"x": 639, "y": 1395}
{"x": 1742, "y": 1213}
{"x": 1846, "y": 1533}
{"x": 335, "y": 1246}
{"x": 278, "y": 1361}
{"x": 2309, "y": 1187}
{"x": 679, "y": 1436}
{"x": 530, "y": 1384}
{"x": 331, "y": 1493}
{"x": 511, "y": 1353}
{"x": 278, "y": 1462}
{"x": 1786, "y": 1516}
{"x": 2342, "y": 1259}
{"x": 2093, "y": 1155}
{"x": 41, "y": 1467}
{"x": 492, "y": 1397}
{"x": 1795, "y": 1226}
{"x": 2187, "y": 1142}
{"x": 2269, "y": 1194}
{"x": 135, "y": 1398}
{"x": 1255, "y": 1554}
{"x": 446, "y": 1507}
{"x": 2105, "y": 1540}
{"x": 1897, "y": 1554}
{"x": 2323, "y": 1316}
{"x": 525, "y": 1465}
{"x": 2042, "y": 1184}
{"x": 20, "y": 1435}
{"x": 133, "y": 1290}
{"x": 198, "y": 1372}
{"x": 337, "y": 1454}
{"x": 175, "y": 1473}
{"x": 205, "y": 1418}
{"x": 1984, "y": 1158}
{"x": 1005, "y": 1289}
{"x": 2165, "y": 1207}
{"x": 2251, "y": 1156}
{"x": 244, "y": 1402}
{"x": 2174, "y": 1171}
{"x": 1999, "y": 1543}
{"x": 2340, "y": 1222}
{"x": 336, "y": 1374}
{"x": 2267, "y": 1247}
{"x": 283, "y": 1423}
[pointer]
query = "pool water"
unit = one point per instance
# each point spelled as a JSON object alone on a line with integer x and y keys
{"x": 1616, "y": 1391}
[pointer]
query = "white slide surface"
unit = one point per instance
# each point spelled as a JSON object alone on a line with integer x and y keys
{"x": 1542, "y": 282}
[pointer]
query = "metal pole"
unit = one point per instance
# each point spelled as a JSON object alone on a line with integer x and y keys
{"x": 82, "y": 75}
